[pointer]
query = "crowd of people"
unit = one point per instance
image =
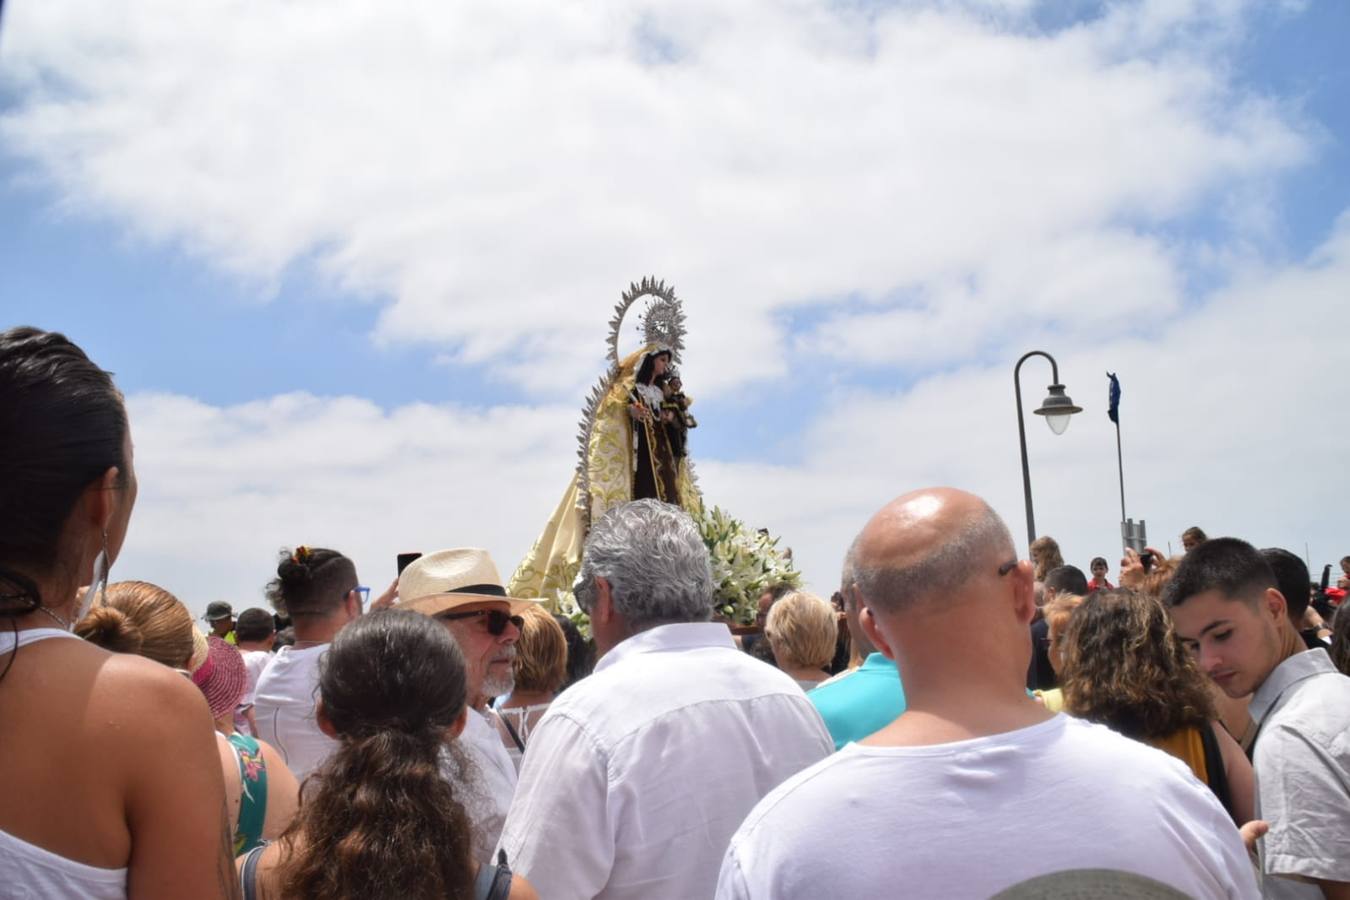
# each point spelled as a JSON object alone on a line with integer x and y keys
{"x": 958, "y": 722}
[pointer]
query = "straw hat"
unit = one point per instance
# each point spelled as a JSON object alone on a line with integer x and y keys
{"x": 443, "y": 580}
{"x": 222, "y": 678}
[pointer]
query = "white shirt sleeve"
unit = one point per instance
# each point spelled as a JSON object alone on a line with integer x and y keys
{"x": 1303, "y": 796}
{"x": 731, "y": 880}
{"x": 560, "y": 832}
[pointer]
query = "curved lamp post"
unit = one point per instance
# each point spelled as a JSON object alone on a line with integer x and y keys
{"x": 1056, "y": 407}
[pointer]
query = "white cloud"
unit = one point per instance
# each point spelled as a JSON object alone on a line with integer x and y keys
{"x": 497, "y": 173}
{"x": 1232, "y": 419}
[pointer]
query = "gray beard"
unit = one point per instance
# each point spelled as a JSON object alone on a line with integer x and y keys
{"x": 494, "y": 686}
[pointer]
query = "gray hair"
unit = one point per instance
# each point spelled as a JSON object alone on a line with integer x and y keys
{"x": 943, "y": 570}
{"x": 655, "y": 561}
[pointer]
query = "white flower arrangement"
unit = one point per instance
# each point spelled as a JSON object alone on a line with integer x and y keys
{"x": 745, "y": 563}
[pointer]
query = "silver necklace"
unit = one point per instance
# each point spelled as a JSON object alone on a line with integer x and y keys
{"x": 60, "y": 621}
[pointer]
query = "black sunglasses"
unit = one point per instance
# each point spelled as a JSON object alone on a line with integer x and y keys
{"x": 496, "y": 619}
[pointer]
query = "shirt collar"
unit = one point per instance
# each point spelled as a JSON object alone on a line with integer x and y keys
{"x": 877, "y": 660}
{"x": 1284, "y": 676}
{"x": 666, "y": 638}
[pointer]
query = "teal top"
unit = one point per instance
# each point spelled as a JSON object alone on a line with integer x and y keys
{"x": 865, "y": 700}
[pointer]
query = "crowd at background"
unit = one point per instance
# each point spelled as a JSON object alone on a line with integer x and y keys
{"x": 953, "y": 722}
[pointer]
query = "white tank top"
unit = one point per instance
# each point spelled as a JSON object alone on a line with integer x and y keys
{"x": 26, "y": 870}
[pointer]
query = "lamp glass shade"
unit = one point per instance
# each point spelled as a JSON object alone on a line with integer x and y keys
{"x": 1057, "y": 408}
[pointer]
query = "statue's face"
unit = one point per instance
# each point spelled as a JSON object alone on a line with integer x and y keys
{"x": 659, "y": 364}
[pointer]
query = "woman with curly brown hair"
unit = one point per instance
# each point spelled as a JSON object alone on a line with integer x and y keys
{"x": 1125, "y": 668}
{"x": 377, "y": 819}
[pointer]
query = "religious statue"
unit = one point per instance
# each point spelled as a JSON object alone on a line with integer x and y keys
{"x": 632, "y": 443}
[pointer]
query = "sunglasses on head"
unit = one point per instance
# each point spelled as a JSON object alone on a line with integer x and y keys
{"x": 496, "y": 619}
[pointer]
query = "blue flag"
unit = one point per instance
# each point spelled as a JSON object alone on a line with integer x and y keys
{"x": 1113, "y": 407}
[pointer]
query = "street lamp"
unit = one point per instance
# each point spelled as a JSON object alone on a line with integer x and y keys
{"x": 1057, "y": 408}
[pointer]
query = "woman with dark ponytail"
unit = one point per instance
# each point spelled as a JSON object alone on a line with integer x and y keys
{"x": 377, "y": 819}
{"x": 112, "y": 784}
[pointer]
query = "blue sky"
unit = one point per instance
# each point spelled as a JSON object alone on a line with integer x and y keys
{"x": 821, "y": 250}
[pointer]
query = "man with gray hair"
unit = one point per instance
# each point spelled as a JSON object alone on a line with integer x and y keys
{"x": 637, "y": 775}
{"x": 974, "y": 761}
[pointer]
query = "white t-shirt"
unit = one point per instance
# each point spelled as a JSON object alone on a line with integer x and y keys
{"x": 254, "y": 663}
{"x": 283, "y": 706}
{"x": 637, "y": 775}
{"x": 972, "y": 818}
{"x": 486, "y": 790}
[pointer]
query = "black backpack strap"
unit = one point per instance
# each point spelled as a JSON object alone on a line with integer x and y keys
{"x": 1215, "y": 773}
{"x": 248, "y": 878}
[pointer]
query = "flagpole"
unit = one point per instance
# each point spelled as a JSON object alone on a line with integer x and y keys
{"x": 1120, "y": 467}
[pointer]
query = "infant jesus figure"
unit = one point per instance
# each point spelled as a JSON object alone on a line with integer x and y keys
{"x": 675, "y": 414}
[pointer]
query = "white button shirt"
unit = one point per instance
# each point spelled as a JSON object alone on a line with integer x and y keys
{"x": 638, "y": 775}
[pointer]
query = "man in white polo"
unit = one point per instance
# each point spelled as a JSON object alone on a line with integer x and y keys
{"x": 462, "y": 589}
{"x": 636, "y": 777}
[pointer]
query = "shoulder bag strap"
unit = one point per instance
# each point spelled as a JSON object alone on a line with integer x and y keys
{"x": 511, "y": 730}
{"x": 1215, "y": 773}
{"x": 249, "y": 877}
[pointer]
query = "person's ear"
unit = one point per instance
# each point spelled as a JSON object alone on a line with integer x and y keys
{"x": 1275, "y": 605}
{"x": 352, "y": 604}
{"x": 1023, "y": 580}
{"x": 602, "y": 610}
{"x": 457, "y": 727}
{"x": 321, "y": 717}
{"x": 868, "y": 620}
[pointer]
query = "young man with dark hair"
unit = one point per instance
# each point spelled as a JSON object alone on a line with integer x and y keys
{"x": 1228, "y": 610}
{"x": 1291, "y": 578}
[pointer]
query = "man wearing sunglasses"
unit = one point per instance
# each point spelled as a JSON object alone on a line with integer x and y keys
{"x": 462, "y": 589}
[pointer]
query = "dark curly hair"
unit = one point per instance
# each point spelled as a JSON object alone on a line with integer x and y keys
{"x": 1125, "y": 667}
{"x": 377, "y": 819}
{"x": 311, "y": 581}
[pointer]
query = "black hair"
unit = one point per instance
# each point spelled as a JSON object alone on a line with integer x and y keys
{"x": 1195, "y": 531}
{"x": 1098, "y": 559}
{"x": 1067, "y": 580}
{"x": 311, "y": 581}
{"x": 1291, "y": 578}
{"x": 644, "y": 373}
{"x": 64, "y": 425}
{"x": 580, "y": 652}
{"x": 1229, "y": 565}
{"x": 254, "y": 625}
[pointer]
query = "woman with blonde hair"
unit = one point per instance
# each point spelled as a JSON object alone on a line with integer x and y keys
{"x": 143, "y": 618}
{"x": 801, "y": 630}
{"x": 1057, "y": 614}
{"x": 1125, "y": 668}
{"x": 540, "y": 668}
{"x": 1045, "y": 556}
{"x": 260, "y": 792}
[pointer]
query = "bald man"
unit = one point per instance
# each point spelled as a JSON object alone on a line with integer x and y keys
{"x": 976, "y": 787}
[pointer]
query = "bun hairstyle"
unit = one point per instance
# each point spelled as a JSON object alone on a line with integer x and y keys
{"x": 110, "y": 629}
{"x": 310, "y": 581}
{"x": 145, "y": 616}
{"x": 64, "y": 425}
{"x": 392, "y": 684}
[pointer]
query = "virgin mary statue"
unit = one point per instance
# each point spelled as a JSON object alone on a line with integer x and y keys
{"x": 625, "y": 448}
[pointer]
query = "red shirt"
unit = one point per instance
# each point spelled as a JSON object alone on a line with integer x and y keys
{"x": 1093, "y": 586}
